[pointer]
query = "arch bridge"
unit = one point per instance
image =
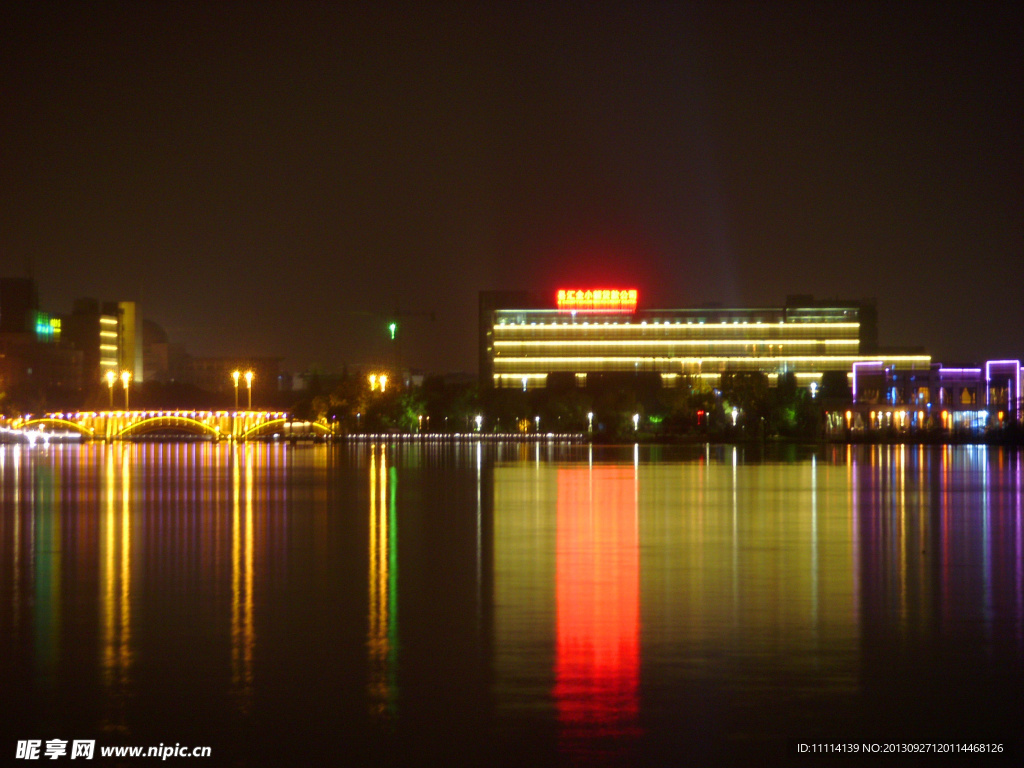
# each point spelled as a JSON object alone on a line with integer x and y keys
{"x": 213, "y": 425}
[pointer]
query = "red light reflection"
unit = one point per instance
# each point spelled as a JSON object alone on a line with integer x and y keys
{"x": 598, "y": 604}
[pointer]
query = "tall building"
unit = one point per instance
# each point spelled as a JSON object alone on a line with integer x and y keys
{"x": 131, "y": 339}
{"x": 32, "y": 352}
{"x": 580, "y": 336}
{"x": 108, "y": 334}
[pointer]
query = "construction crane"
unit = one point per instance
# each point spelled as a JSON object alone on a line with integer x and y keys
{"x": 392, "y": 329}
{"x": 393, "y": 320}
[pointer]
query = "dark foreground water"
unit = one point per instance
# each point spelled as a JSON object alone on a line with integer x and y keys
{"x": 520, "y": 604}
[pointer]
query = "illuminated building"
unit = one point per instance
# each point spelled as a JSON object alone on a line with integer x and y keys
{"x": 131, "y": 339}
{"x": 31, "y": 352}
{"x": 958, "y": 400}
{"x": 580, "y": 337}
{"x": 97, "y": 330}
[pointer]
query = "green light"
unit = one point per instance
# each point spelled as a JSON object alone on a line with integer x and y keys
{"x": 393, "y": 327}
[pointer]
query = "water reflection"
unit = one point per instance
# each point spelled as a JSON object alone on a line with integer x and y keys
{"x": 597, "y": 586}
{"x": 382, "y": 638}
{"x": 566, "y": 605}
{"x": 116, "y": 583}
{"x": 242, "y": 622}
{"x": 47, "y": 565}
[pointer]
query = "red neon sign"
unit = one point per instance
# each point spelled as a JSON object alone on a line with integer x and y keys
{"x": 600, "y": 300}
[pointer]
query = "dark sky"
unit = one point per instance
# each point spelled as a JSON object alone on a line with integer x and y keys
{"x": 264, "y": 178}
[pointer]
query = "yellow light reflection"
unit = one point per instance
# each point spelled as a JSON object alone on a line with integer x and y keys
{"x": 236, "y": 571}
{"x": 248, "y": 629}
{"x": 381, "y": 639}
{"x": 116, "y": 654}
{"x": 243, "y": 634}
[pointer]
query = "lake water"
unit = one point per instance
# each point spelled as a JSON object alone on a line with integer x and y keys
{"x": 518, "y": 604}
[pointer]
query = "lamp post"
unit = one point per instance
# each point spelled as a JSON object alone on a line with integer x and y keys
{"x": 111, "y": 378}
{"x": 234, "y": 376}
{"x": 248, "y": 386}
{"x": 126, "y": 377}
{"x": 536, "y": 423}
{"x": 636, "y": 422}
{"x": 590, "y": 422}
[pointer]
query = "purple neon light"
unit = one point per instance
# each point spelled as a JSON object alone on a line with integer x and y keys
{"x": 988, "y": 379}
{"x": 863, "y": 362}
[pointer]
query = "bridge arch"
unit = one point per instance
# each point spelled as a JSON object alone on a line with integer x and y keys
{"x": 268, "y": 427}
{"x": 182, "y": 424}
{"x": 48, "y": 421}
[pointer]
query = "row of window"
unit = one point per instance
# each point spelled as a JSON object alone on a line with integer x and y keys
{"x": 695, "y": 364}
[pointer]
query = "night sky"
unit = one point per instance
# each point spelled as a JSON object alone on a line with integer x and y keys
{"x": 276, "y": 178}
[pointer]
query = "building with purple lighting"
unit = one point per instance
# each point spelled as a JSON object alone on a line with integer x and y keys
{"x": 952, "y": 400}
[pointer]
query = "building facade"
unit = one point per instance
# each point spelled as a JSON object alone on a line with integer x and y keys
{"x": 33, "y": 351}
{"x": 950, "y": 400}
{"x": 99, "y": 330}
{"x": 530, "y": 340}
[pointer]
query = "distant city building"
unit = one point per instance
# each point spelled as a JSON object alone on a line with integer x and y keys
{"x": 162, "y": 360}
{"x": 580, "y": 337}
{"x": 31, "y": 350}
{"x": 130, "y": 341}
{"x": 99, "y": 331}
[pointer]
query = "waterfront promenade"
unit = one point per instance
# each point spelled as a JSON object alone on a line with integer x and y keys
{"x": 218, "y": 425}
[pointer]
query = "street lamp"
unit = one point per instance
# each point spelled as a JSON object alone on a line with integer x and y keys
{"x": 590, "y": 422}
{"x": 248, "y": 385}
{"x": 383, "y": 382}
{"x": 126, "y": 376}
{"x": 636, "y": 421}
{"x": 111, "y": 378}
{"x": 234, "y": 376}
{"x": 479, "y": 422}
{"x": 536, "y": 423}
